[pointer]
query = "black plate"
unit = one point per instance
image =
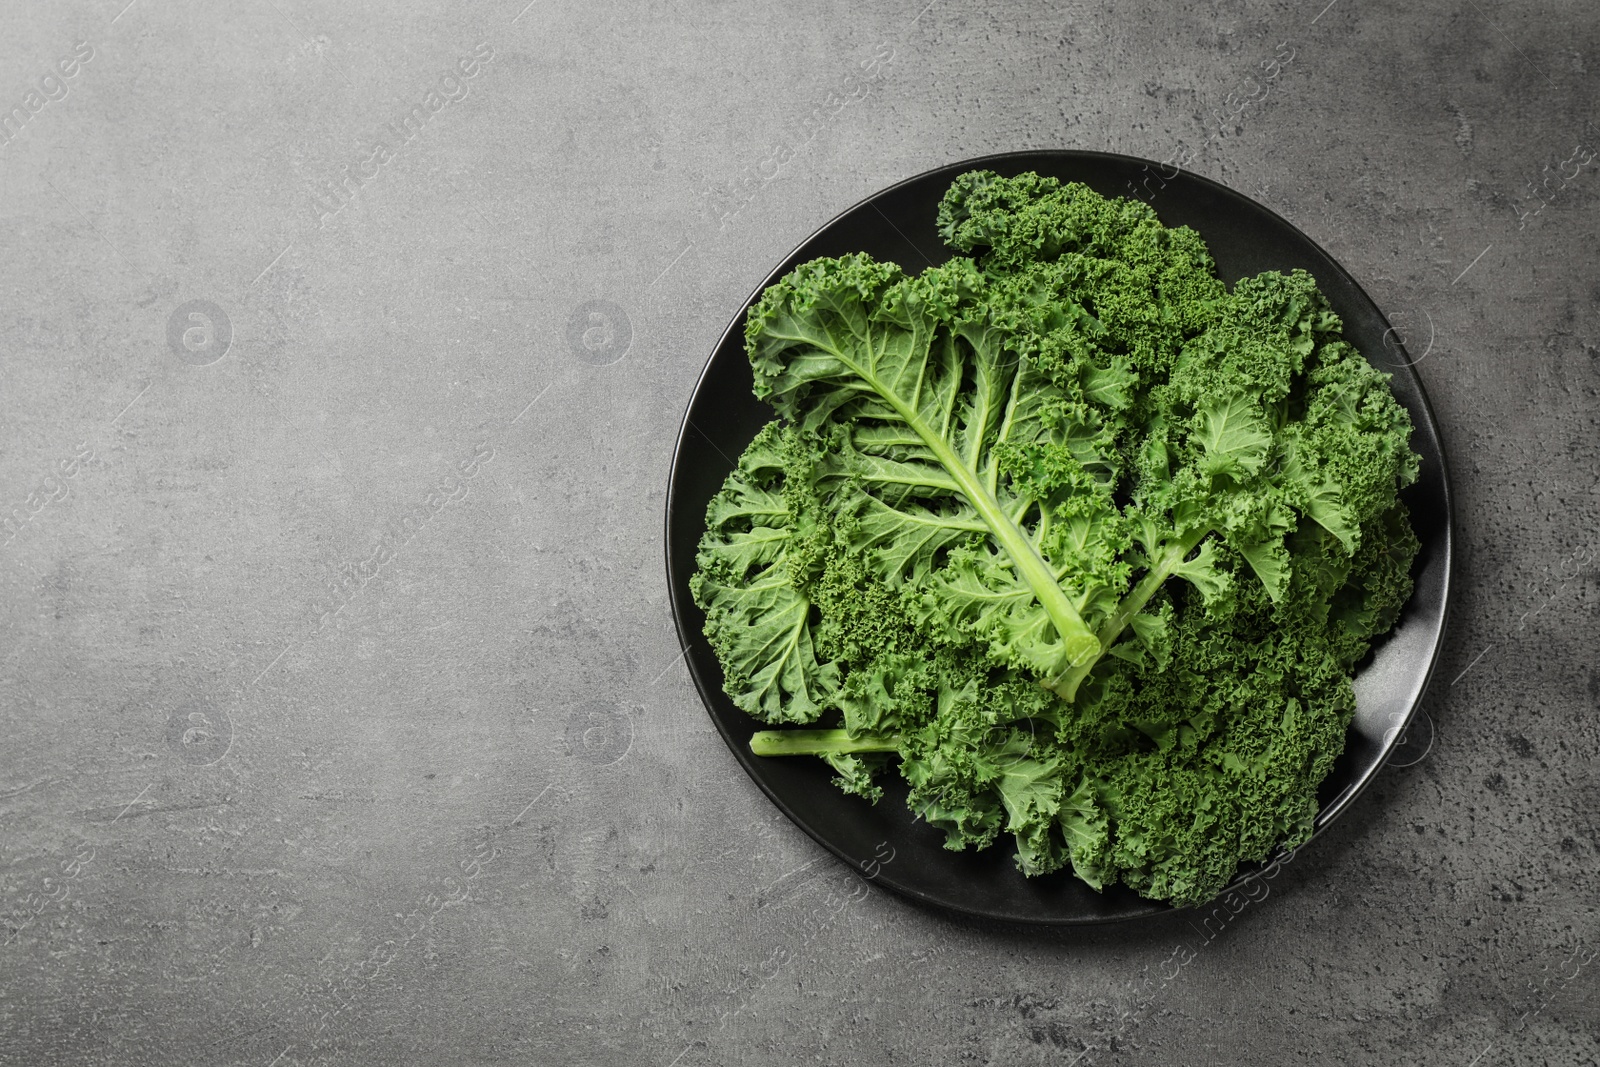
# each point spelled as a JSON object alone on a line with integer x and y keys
{"x": 723, "y": 417}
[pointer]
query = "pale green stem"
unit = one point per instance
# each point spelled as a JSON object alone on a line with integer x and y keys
{"x": 817, "y": 743}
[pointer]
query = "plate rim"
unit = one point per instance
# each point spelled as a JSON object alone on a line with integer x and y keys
{"x": 1326, "y": 815}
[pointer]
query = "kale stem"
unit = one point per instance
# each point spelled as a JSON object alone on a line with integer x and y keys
{"x": 817, "y": 743}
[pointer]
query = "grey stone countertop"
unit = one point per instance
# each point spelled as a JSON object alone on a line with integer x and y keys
{"x": 342, "y": 352}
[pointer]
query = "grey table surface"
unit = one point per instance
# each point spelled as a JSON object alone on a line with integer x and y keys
{"x": 343, "y": 351}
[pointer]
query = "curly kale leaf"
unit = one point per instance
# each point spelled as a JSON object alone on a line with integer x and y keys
{"x": 757, "y": 618}
{"x": 942, "y": 438}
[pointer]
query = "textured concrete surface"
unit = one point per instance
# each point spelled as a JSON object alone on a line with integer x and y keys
{"x": 342, "y": 718}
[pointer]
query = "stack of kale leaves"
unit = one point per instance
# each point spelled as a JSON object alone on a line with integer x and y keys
{"x": 1081, "y": 541}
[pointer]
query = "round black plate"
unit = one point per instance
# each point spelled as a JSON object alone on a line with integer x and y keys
{"x": 898, "y": 224}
